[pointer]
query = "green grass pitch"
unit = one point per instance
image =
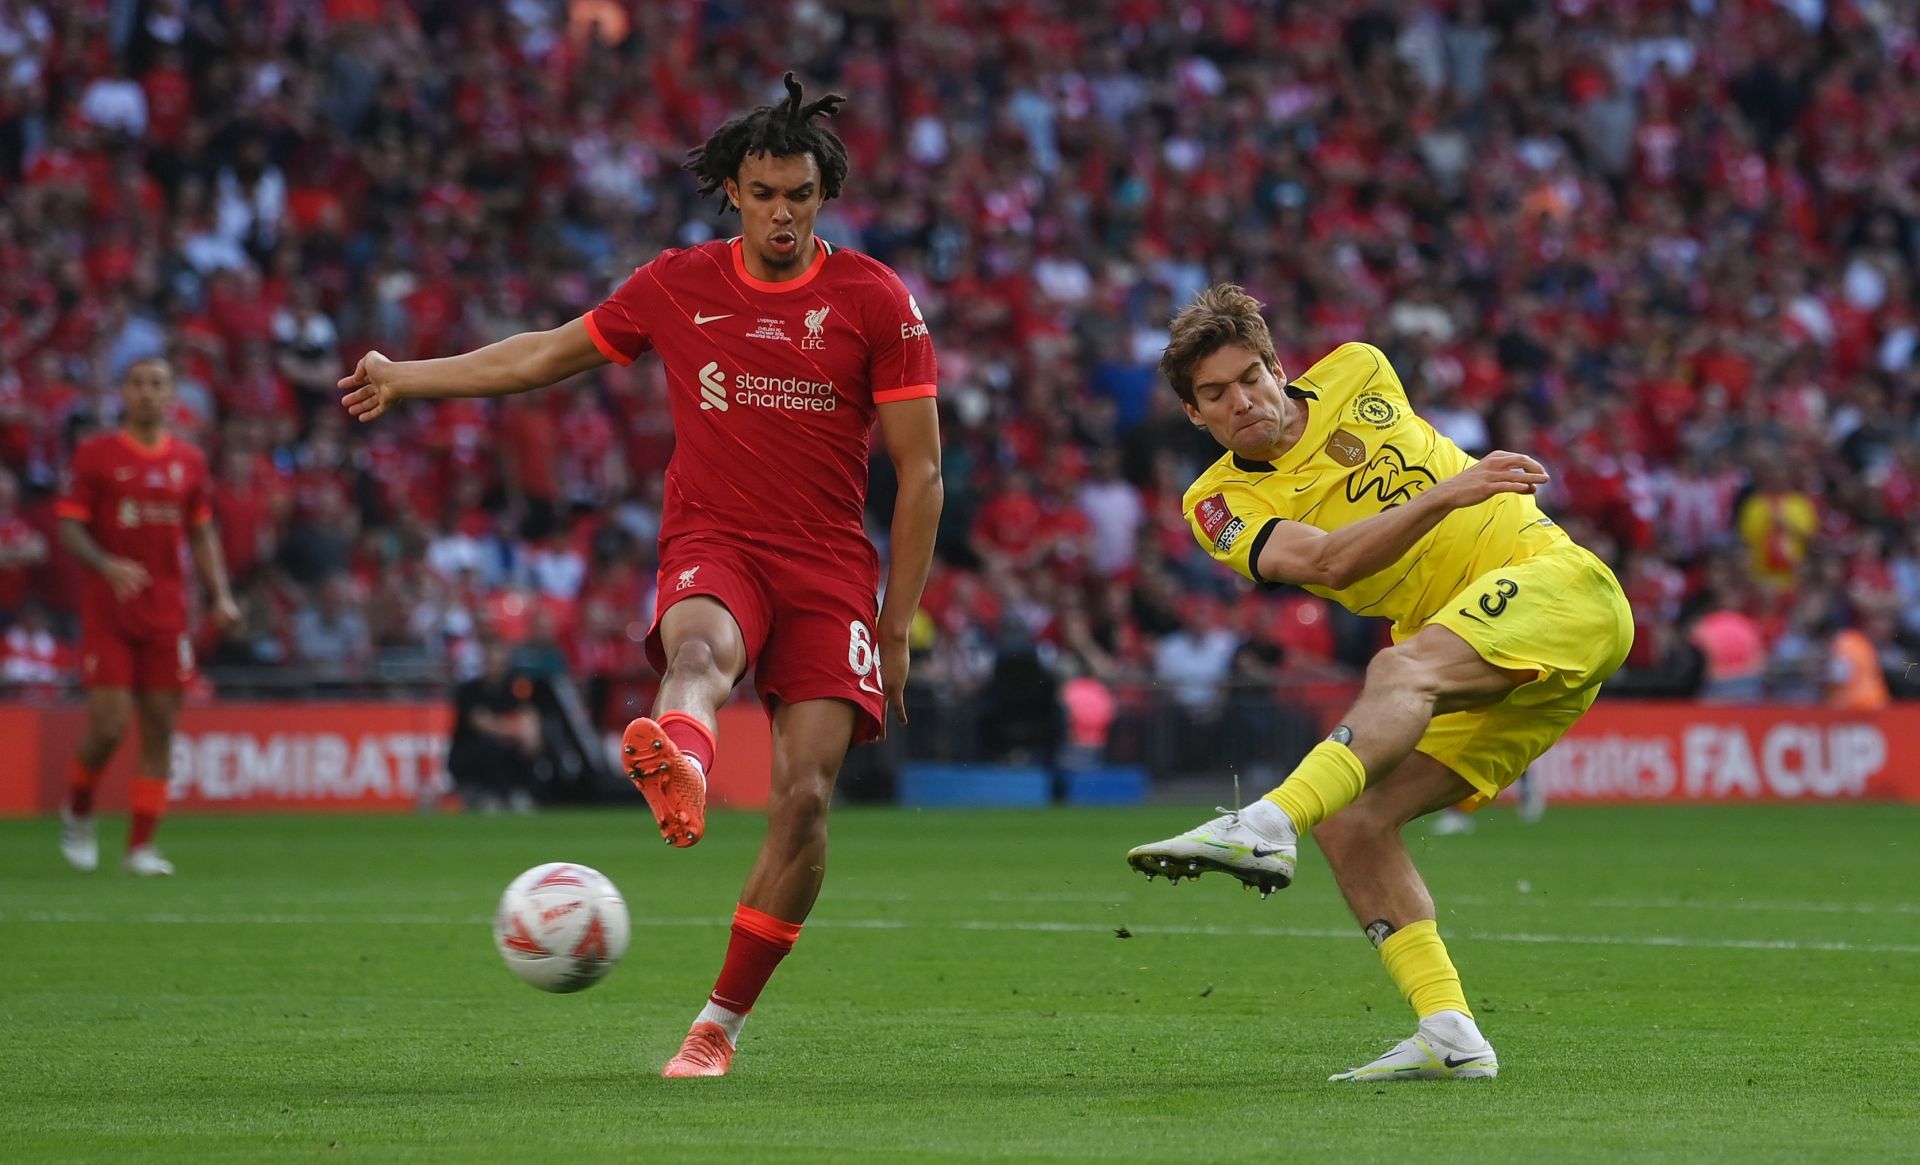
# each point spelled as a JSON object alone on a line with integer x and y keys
{"x": 1693, "y": 985}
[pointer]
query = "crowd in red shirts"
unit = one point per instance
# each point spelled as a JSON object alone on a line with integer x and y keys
{"x": 1668, "y": 247}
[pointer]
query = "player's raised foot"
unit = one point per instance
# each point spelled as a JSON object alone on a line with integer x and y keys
{"x": 1448, "y": 1046}
{"x": 145, "y": 862}
{"x": 706, "y": 1052}
{"x": 674, "y": 786}
{"x": 78, "y": 842}
{"x": 1228, "y": 844}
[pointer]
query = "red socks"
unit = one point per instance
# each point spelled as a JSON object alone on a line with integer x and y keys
{"x": 80, "y": 788}
{"x": 149, "y": 805}
{"x": 690, "y": 737}
{"x": 759, "y": 942}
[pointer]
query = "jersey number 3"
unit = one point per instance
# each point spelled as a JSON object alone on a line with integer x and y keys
{"x": 1504, "y": 589}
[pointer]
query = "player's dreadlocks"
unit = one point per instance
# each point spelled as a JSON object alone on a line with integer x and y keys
{"x": 782, "y": 130}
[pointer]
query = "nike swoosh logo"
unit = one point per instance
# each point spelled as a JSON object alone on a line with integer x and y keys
{"x": 1451, "y": 1062}
{"x": 1265, "y": 853}
{"x": 1474, "y": 617}
{"x": 706, "y": 319}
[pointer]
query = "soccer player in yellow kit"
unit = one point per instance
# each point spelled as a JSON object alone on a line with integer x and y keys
{"x": 1503, "y": 630}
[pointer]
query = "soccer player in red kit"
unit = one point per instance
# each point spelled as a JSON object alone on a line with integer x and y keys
{"x": 780, "y": 350}
{"x": 134, "y": 495}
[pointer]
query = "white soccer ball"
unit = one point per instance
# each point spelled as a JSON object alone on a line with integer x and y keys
{"x": 561, "y": 926}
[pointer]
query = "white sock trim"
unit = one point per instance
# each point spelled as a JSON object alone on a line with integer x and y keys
{"x": 730, "y": 1021}
{"x": 1456, "y": 1029}
{"x": 1270, "y": 822}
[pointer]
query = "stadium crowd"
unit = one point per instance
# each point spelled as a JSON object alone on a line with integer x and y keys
{"x": 1667, "y": 247}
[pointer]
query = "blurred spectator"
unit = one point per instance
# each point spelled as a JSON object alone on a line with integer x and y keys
{"x": 540, "y": 655}
{"x": 1736, "y": 656}
{"x": 331, "y": 634}
{"x": 496, "y": 736}
{"x": 1115, "y": 513}
{"x": 1021, "y": 713}
{"x": 34, "y": 664}
{"x": 529, "y": 461}
{"x": 1090, "y": 710}
{"x": 1856, "y": 682}
{"x": 309, "y": 345}
{"x": 1799, "y": 664}
{"x": 1669, "y": 249}
{"x": 115, "y": 102}
{"x": 263, "y": 637}
{"x": 22, "y": 548}
{"x": 1777, "y": 522}
{"x": 1193, "y": 662}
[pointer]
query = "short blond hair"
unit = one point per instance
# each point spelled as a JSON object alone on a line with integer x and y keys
{"x": 1221, "y": 315}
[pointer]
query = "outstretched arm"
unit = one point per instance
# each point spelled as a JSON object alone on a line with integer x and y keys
{"x": 911, "y": 431}
{"x": 519, "y": 363}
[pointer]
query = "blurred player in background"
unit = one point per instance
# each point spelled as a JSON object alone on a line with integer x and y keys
{"x": 780, "y": 351}
{"x": 1529, "y": 792}
{"x": 133, "y": 496}
{"x": 1504, "y": 629}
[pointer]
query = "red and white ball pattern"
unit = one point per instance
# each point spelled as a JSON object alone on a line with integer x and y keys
{"x": 561, "y": 926}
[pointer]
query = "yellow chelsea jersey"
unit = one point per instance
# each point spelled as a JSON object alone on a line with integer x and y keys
{"x": 1363, "y": 452}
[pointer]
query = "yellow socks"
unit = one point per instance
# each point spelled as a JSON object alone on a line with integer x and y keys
{"x": 1326, "y": 781}
{"x": 1418, "y": 962}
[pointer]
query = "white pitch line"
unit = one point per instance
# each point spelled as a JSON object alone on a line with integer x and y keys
{"x": 1122, "y": 899}
{"x": 1749, "y": 905}
{"x": 1761, "y": 906}
{"x": 1689, "y": 942}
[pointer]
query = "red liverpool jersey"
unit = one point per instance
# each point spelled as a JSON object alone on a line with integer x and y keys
{"x": 137, "y": 502}
{"x": 773, "y": 385}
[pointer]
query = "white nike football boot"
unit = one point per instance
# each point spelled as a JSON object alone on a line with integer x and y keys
{"x": 1448, "y": 1046}
{"x": 78, "y": 842}
{"x": 146, "y": 862}
{"x": 1229, "y": 845}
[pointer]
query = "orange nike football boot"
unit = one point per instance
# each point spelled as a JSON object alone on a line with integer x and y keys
{"x": 673, "y": 785}
{"x": 707, "y": 1052}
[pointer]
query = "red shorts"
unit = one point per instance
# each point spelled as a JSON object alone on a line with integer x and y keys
{"x": 807, "y": 616}
{"x": 155, "y": 663}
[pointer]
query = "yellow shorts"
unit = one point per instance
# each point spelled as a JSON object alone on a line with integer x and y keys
{"x": 1561, "y": 614}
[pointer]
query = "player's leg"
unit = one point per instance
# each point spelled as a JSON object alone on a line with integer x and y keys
{"x": 156, "y": 710}
{"x": 109, "y": 711}
{"x": 810, "y": 741}
{"x": 1433, "y": 672}
{"x": 1364, "y": 848}
{"x": 669, "y": 753}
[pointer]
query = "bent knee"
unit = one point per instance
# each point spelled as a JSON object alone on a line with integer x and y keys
{"x": 802, "y": 801}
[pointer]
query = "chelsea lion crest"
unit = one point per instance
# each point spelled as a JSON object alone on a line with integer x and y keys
{"x": 1373, "y": 409}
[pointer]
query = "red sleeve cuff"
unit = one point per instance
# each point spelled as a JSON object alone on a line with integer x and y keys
{"x": 74, "y": 510}
{"x": 600, "y": 341}
{"x": 202, "y": 516}
{"x": 910, "y": 392}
